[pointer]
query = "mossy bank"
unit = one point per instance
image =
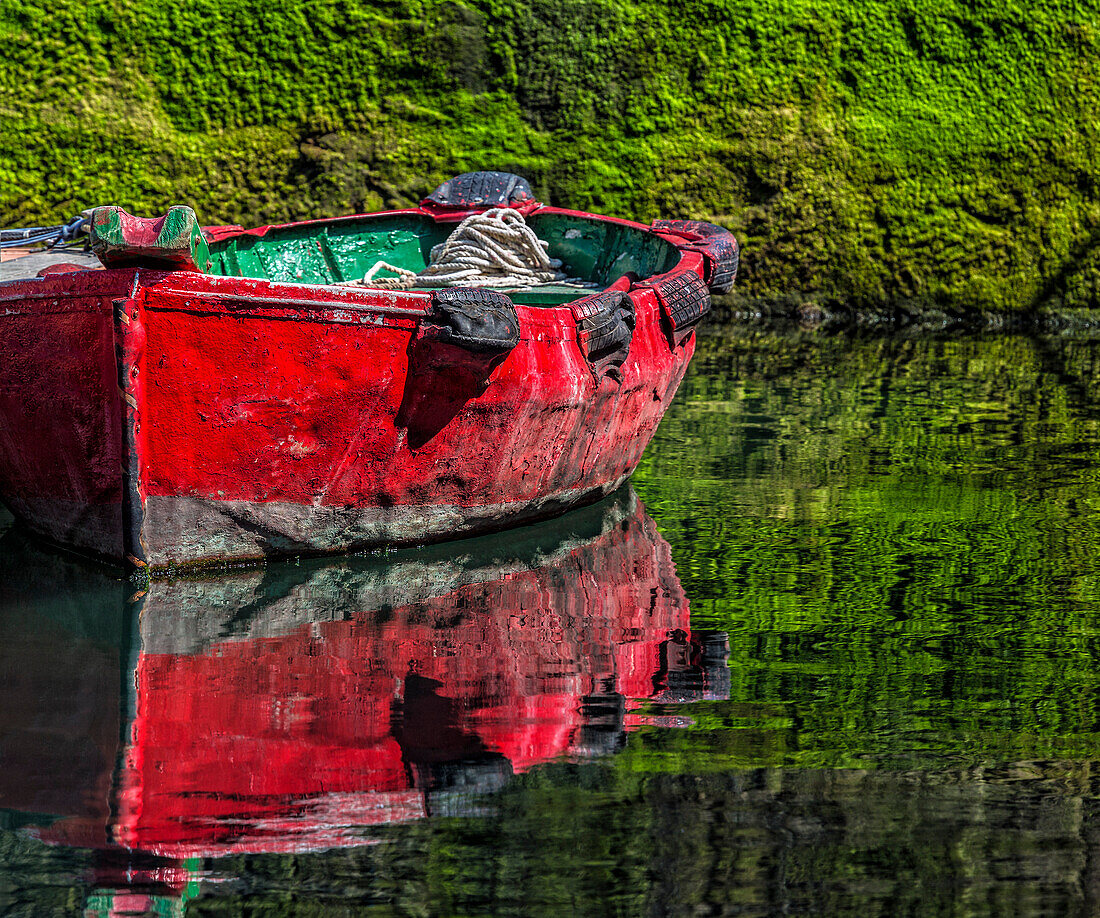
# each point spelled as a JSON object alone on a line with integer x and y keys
{"x": 941, "y": 155}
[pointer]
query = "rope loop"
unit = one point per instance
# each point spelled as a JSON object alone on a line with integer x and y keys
{"x": 495, "y": 248}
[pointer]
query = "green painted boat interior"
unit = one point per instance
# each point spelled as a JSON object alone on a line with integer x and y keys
{"x": 336, "y": 251}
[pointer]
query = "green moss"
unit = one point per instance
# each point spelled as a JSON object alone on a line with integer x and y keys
{"x": 865, "y": 152}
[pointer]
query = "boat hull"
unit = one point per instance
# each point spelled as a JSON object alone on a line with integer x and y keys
{"x": 175, "y": 418}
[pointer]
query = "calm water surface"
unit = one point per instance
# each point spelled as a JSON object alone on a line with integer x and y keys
{"x": 836, "y": 653}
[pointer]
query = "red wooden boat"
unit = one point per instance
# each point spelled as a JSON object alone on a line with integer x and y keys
{"x": 297, "y": 707}
{"x": 217, "y": 395}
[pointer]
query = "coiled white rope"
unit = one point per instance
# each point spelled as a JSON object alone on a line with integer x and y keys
{"x": 492, "y": 249}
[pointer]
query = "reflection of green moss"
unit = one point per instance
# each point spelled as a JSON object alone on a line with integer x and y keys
{"x": 595, "y": 841}
{"x": 900, "y": 537}
{"x": 875, "y": 151}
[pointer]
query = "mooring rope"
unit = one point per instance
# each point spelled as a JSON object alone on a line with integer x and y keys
{"x": 492, "y": 249}
{"x": 55, "y": 235}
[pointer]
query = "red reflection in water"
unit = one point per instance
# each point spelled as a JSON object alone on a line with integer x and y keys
{"x": 290, "y": 711}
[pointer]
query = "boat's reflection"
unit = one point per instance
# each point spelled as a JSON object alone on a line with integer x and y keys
{"x": 293, "y": 707}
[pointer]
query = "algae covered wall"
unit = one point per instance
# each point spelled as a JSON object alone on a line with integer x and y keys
{"x": 932, "y": 152}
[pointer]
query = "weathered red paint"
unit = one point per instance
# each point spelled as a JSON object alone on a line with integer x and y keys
{"x": 335, "y": 705}
{"x": 245, "y": 418}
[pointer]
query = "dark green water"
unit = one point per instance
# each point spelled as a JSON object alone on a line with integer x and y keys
{"x": 898, "y": 538}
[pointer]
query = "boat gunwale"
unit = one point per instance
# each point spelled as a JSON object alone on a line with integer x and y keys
{"x": 181, "y": 291}
{"x": 168, "y": 295}
{"x": 319, "y": 298}
{"x": 245, "y": 302}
